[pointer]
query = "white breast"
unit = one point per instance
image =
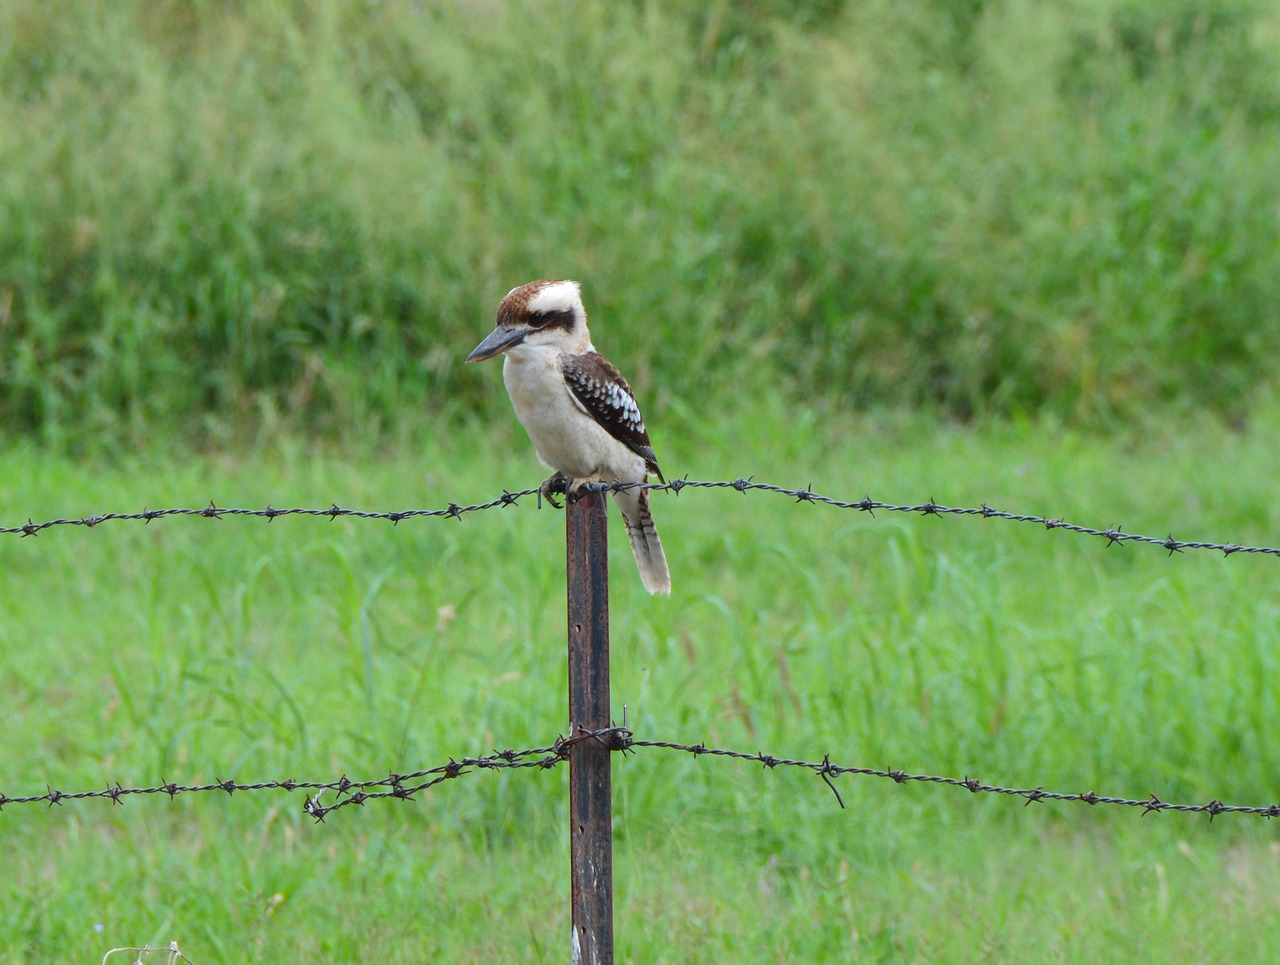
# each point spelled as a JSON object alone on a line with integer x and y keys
{"x": 567, "y": 440}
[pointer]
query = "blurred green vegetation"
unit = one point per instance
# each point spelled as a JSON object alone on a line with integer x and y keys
{"x": 219, "y": 215}
{"x": 190, "y": 650}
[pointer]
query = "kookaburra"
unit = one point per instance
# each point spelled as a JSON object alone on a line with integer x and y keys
{"x": 577, "y": 408}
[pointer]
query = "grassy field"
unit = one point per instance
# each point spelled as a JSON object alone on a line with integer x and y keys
{"x": 189, "y": 650}
{"x": 216, "y": 216}
{"x": 1001, "y": 251}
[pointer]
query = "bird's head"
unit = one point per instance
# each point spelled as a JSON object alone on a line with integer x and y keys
{"x": 541, "y": 313}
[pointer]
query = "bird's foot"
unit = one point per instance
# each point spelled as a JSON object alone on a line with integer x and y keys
{"x": 551, "y": 487}
{"x": 576, "y": 487}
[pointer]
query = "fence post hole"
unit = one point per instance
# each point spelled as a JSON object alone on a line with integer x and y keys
{"x": 590, "y": 783}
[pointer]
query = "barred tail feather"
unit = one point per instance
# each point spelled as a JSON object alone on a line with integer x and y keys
{"x": 644, "y": 540}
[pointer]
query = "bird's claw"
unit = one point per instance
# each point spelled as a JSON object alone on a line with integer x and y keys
{"x": 554, "y": 486}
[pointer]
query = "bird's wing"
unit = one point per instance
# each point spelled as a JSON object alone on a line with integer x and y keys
{"x": 599, "y": 390}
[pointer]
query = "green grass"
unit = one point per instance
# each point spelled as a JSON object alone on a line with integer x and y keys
{"x": 243, "y": 228}
{"x": 193, "y": 649}
{"x": 216, "y": 216}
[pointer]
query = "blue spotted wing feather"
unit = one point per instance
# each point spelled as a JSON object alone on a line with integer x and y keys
{"x": 599, "y": 388}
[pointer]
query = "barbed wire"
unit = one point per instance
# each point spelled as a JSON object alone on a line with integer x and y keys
{"x": 1033, "y": 795}
{"x": 401, "y": 786}
{"x": 212, "y": 511}
{"x": 404, "y": 787}
{"x": 1112, "y": 534}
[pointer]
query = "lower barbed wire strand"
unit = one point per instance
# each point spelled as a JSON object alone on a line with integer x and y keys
{"x": 619, "y": 739}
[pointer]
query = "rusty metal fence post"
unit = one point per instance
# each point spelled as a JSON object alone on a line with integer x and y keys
{"x": 590, "y": 779}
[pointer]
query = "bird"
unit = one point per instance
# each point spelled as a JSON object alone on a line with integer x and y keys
{"x": 578, "y": 410}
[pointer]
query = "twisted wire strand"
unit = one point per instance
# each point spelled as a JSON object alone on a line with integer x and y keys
{"x": 405, "y": 786}
{"x": 1114, "y": 535}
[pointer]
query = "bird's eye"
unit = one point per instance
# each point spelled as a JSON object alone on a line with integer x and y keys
{"x": 551, "y": 318}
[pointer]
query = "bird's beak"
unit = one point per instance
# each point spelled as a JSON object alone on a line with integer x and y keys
{"x": 499, "y": 340}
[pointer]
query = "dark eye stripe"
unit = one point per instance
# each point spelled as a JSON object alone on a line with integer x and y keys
{"x": 558, "y": 319}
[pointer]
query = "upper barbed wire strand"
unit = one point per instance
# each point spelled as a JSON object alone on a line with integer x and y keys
{"x": 1112, "y": 534}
